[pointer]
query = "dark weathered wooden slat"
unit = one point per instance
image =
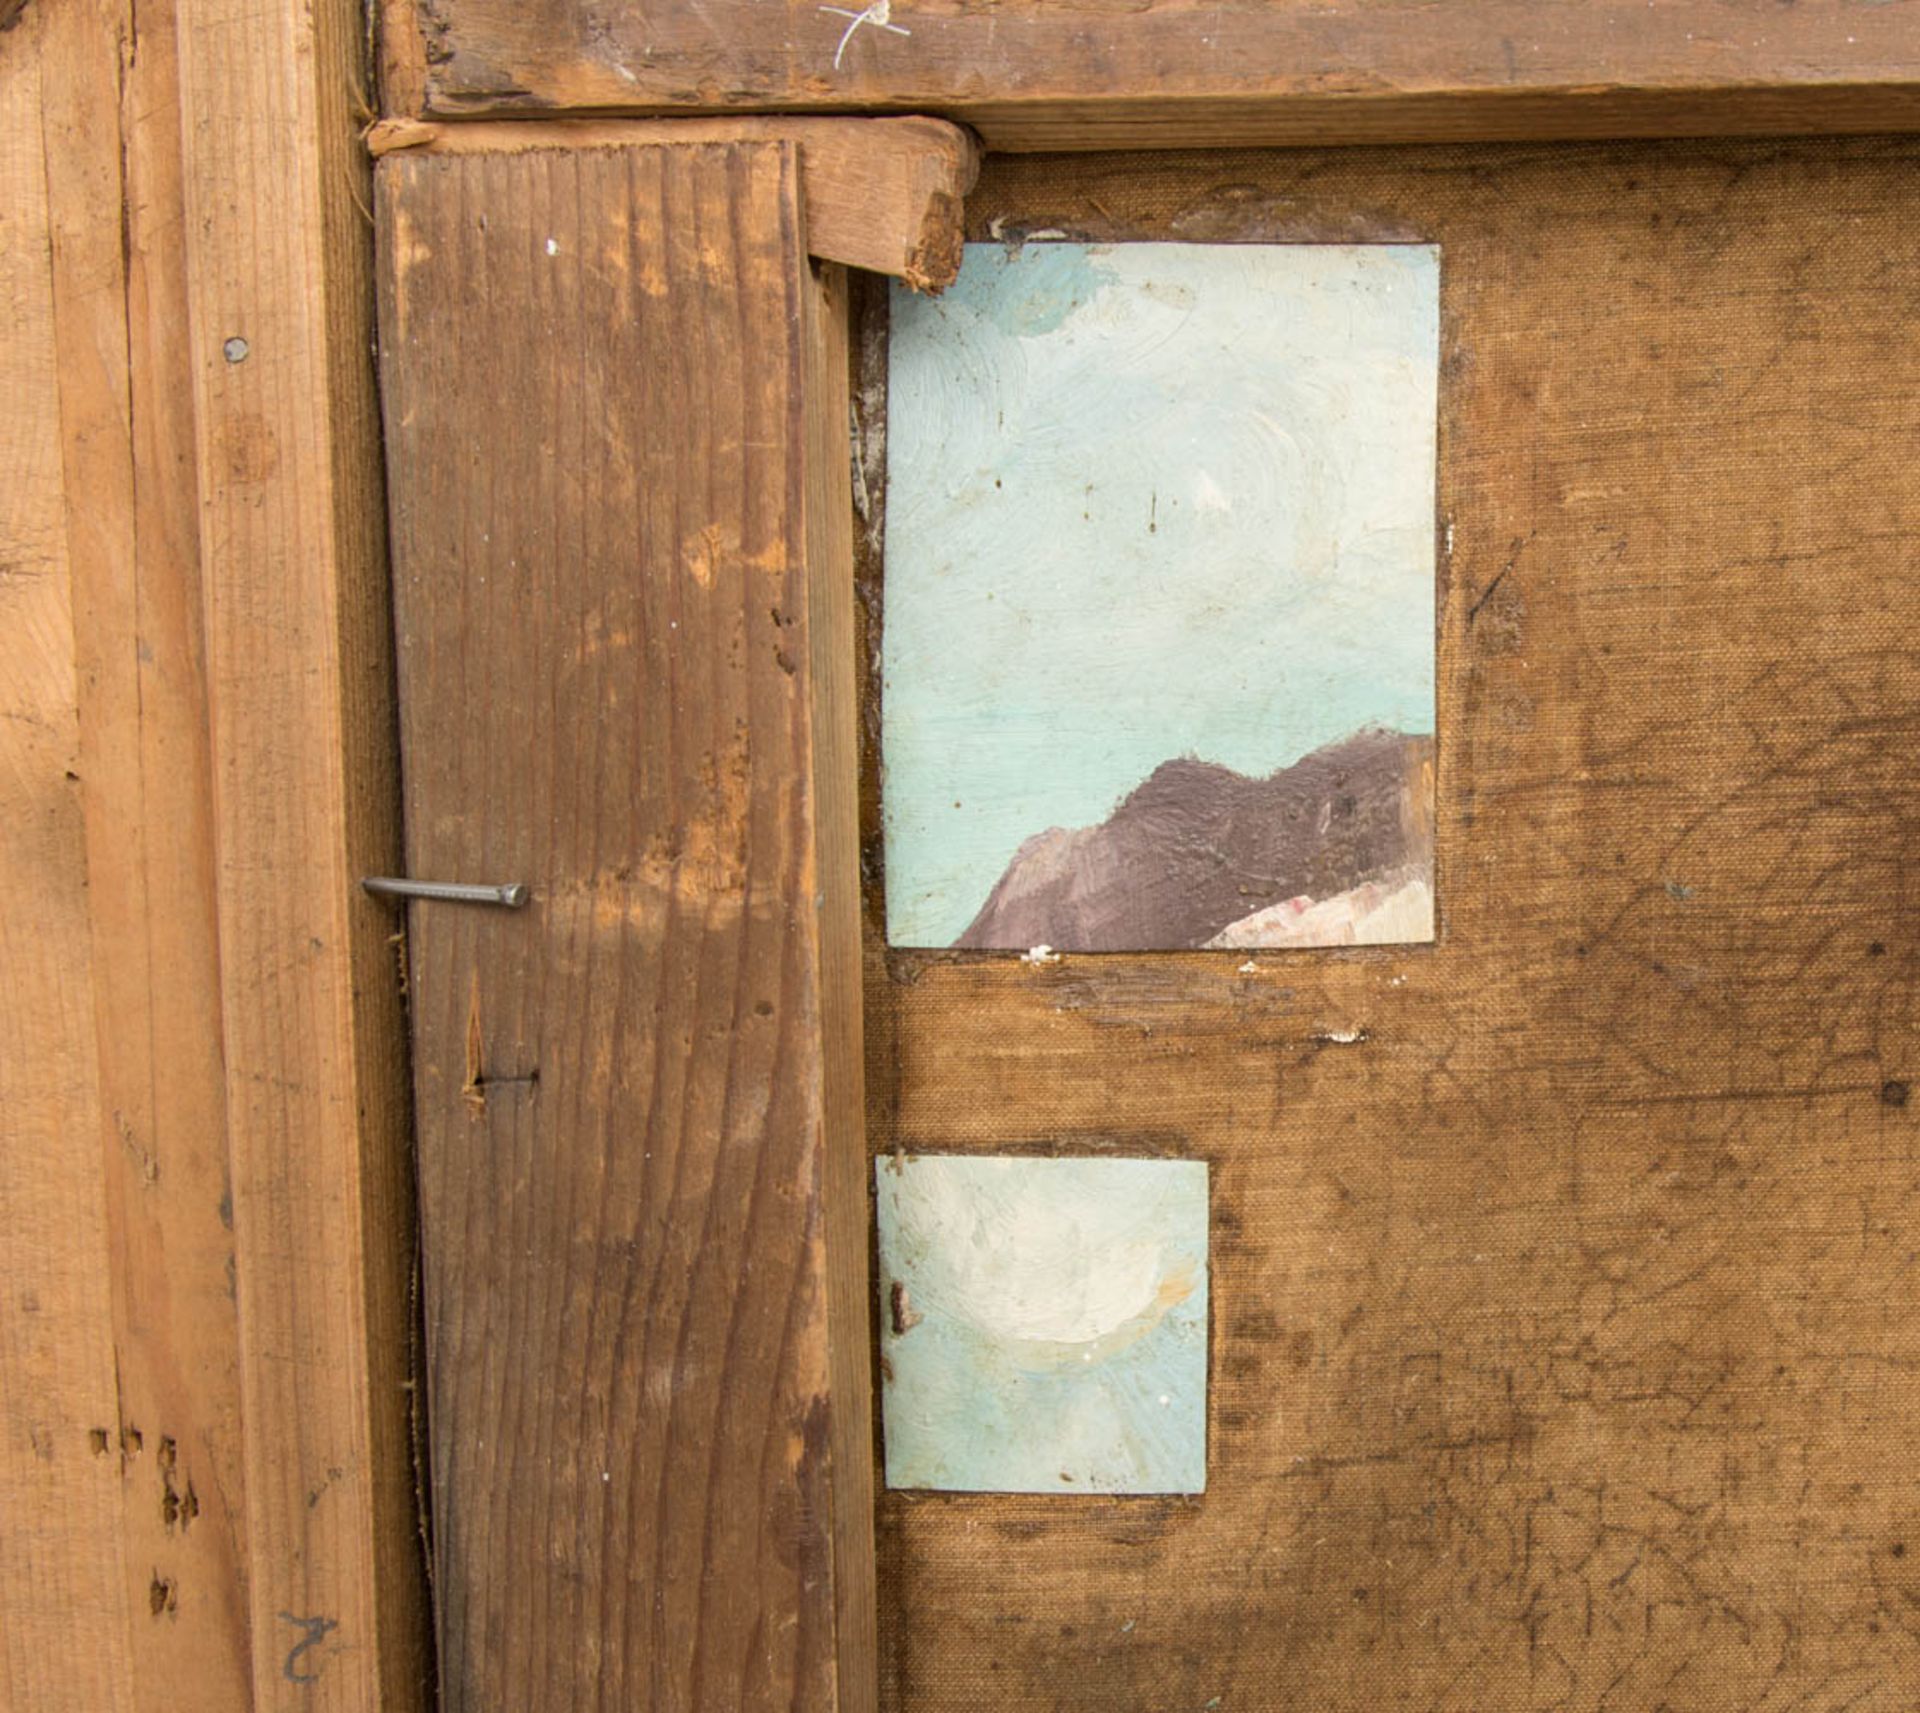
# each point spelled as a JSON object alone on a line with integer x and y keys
{"x": 599, "y": 368}
{"x": 1042, "y": 74}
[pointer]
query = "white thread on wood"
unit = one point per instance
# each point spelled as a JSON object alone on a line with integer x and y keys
{"x": 879, "y": 15}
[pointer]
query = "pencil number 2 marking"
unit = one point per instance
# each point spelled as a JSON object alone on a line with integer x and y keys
{"x": 316, "y": 1632}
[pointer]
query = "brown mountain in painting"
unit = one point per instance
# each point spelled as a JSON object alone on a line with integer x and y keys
{"x": 1198, "y": 847}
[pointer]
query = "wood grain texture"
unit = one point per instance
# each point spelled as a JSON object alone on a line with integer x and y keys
{"x": 298, "y": 681}
{"x": 835, "y": 733}
{"x": 64, "y": 1646}
{"x": 1563, "y": 1351}
{"x": 1036, "y": 74}
{"x": 112, "y": 150}
{"x": 401, "y": 59}
{"x": 611, "y": 643}
{"x": 880, "y": 194}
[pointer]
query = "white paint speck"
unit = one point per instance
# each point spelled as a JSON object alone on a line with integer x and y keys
{"x": 1040, "y": 955}
{"x": 553, "y": 246}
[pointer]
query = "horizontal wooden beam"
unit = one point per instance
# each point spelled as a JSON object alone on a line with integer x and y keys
{"x": 1475, "y": 115}
{"x": 1037, "y": 74}
{"x": 881, "y": 194}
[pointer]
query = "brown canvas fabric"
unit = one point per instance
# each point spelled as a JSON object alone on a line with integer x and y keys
{"x": 1565, "y": 1350}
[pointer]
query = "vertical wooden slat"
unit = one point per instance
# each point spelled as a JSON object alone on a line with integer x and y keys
{"x": 61, "y": 1555}
{"x": 607, "y": 555}
{"x": 836, "y": 776}
{"x": 112, "y": 148}
{"x": 298, "y": 666}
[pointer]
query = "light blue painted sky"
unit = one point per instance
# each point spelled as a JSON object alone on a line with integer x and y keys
{"x": 1144, "y": 500}
{"x": 1061, "y": 1338}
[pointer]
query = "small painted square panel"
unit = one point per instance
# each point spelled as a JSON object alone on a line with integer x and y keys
{"x": 1044, "y": 1323}
{"x": 1158, "y": 643}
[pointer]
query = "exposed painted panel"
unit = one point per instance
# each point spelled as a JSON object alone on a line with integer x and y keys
{"x": 1158, "y": 648}
{"x": 1044, "y": 1323}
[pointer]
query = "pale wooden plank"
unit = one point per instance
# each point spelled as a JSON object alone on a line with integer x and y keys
{"x": 880, "y": 194}
{"x": 64, "y": 1639}
{"x": 625, "y": 1093}
{"x": 297, "y": 672}
{"x": 1036, "y": 74}
{"x": 113, "y": 154}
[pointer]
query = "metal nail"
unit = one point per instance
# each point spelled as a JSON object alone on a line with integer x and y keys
{"x": 512, "y": 895}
